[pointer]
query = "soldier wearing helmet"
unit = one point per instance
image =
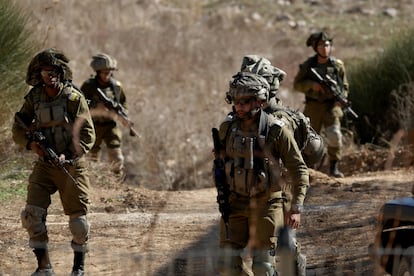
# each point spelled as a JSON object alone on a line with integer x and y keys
{"x": 273, "y": 105}
{"x": 52, "y": 108}
{"x": 252, "y": 142}
{"x": 321, "y": 107}
{"x": 107, "y": 129}
{"x": 308, "y": 141}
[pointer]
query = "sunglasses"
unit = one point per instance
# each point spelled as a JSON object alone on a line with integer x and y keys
{"x": 242, "y": 101}
{"x": 49, "y": 73}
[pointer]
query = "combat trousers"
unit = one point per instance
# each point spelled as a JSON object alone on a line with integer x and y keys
{"x": 253, "y": 225}
{"x": 111, "y": 135}
{"x": 45, "y": 180}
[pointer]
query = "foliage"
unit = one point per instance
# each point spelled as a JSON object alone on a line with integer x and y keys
{"x": 14, "y": 172}
{"x": 373, "y": 81}
{"x": 15, "y": 51}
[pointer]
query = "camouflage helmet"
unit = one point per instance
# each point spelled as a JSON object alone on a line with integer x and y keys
{"x": 247, "y": 84}
{"x": 103, "y": 62}
{"x": 314, "y": 150}
{"x": 49, "y": 57}
{"x": 314, "y": 39}
{"x": 264, "y": 68}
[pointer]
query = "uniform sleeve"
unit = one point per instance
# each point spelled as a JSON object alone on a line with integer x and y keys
{"x": 286, "y": 148}
{"x": 122, "y": 97}
{"x": 343, "y": 76}
{"x": 303, "y": 83}
{"x": 19, "y": 133}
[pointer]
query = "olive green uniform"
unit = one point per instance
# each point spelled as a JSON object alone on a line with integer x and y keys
{"x": 107, "y": 130}
{"x": 257, "y": 194}
{"x": 55, "y": 118}
{"x": 321, "y": 109}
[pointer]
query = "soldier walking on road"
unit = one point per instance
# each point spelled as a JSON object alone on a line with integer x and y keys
{"x": 321, "y": 106}
{"x": 252, "y": 142}
{"x": 107, "y": 129}
{"x": 308, "y": 141}
{"x": 45, "y": 125}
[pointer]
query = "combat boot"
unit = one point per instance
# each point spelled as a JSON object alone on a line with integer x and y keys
{"x": 44, "y": 268}
{"x": 334, "y": 171}
{"x": 78, "y": 264}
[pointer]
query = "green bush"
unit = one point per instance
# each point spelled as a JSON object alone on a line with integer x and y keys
{"x": 373, "y": 84}
{"x": 15, "y": 51}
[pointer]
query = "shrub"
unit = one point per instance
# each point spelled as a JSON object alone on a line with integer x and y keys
{"x": 15, "y": 51}
{"x": 378, "y": 89}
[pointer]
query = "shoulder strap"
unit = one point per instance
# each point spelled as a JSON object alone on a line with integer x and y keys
{"x": 263, "y": 124}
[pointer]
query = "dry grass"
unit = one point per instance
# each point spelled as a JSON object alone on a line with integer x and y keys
{"x": 176, "y": 58}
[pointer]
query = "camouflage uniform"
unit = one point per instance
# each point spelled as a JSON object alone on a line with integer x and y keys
{"x": 55, "y": 117}
{"x": 256, "y": 191}
{"x": 309, "y": 142}
{"x": 107, "y": 129}
{"x": 322, "y": 109}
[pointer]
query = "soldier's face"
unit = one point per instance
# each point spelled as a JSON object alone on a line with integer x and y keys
{"x": 105, "y": 75}
{"x": 244, "y": 106}
{"x": 324, "y": 48}
{"x": 50, "y": 76}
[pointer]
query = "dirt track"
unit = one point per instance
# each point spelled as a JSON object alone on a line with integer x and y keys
{"x": 141, "y": 232}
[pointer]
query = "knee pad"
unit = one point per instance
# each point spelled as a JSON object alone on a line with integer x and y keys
{"x": 79, "y": 227}
{"x": 263, "y": 263}
{"x": 34, "y": 220}
{"x": 333, "y": 136}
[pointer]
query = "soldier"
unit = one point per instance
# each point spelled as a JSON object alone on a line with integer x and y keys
{"x": 321, "y": 106}
{"x": 58, "y": 113}
{"x": 107, "y": 129}
{"x": 309, "y": 142}
{"x": 252, "y": 142}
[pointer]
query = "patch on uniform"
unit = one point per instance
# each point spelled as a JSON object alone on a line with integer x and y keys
{"x": 74, "y": 96}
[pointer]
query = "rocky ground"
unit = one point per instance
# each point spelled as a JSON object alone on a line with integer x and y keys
{"x": 136, "y": 231}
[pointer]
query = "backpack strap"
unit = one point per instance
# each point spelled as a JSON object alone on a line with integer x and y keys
{"x": 263, "y": 125}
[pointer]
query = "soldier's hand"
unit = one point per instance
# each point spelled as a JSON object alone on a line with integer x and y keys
{"x": 317, "y": 87}
{"x": 36, "y": 148}
{"x": 293, "y": 220}
{"x": 62, "y": 158}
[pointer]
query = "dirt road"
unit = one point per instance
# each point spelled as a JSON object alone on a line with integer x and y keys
{"x": 136, "y": 231}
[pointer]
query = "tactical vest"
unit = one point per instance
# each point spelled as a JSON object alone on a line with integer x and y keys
{"x": 249, "y": 171}
{"x": 331, "y": 70}
{"x": 113, "y": 92}
{"x": 53, "y": 120}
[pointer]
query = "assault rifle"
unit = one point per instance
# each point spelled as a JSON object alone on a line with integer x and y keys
{"x": 49, "y": 154}
{"x": 120, "y": 111}
{"x": 223, "y": 192}
{"x": 332, "y": 85}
